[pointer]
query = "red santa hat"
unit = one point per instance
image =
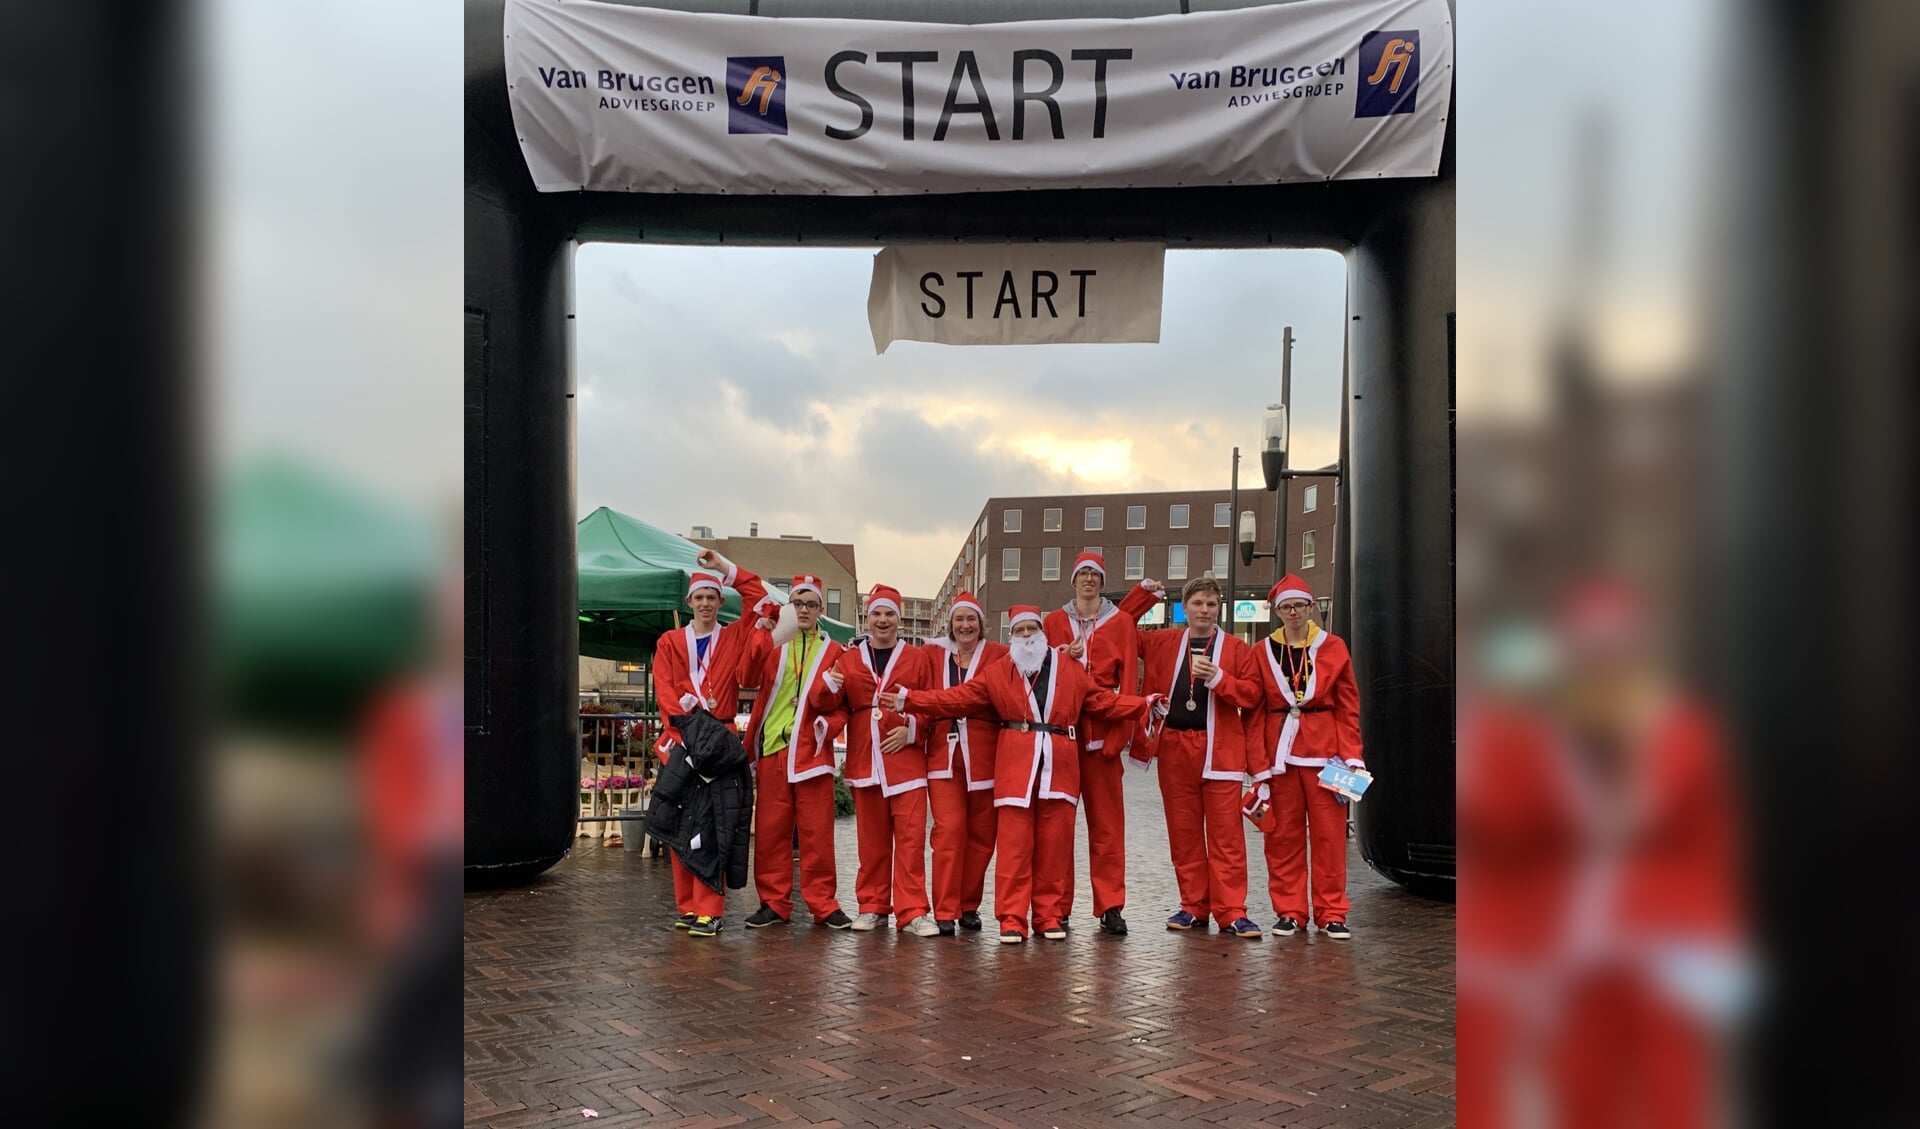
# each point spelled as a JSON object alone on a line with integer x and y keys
{"x": 1290, "y": 587}
{"x": 966, "y": 600}
{"x": 703, "y": 580}
{"x": 806, "y": 582}
{"x": 1020, "y": 613}
{"x": 884, "y": 597}
{"x": 1092, "y": 561}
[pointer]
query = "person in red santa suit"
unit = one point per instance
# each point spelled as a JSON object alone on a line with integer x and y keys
{"x": 1309, "y": 716}
{"x": 886, "y": 768}
{"x": 1040, "y": 698}
{"x": 960, "y": 773}
{"x": 792, "y": 747}
{"x": 1101, "y": 637}
{"x": 1208, "y": 677}
{"x": 698, "y": 667}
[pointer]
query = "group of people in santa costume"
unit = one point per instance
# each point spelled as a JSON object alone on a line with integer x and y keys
{"x": 1001, "y": 744}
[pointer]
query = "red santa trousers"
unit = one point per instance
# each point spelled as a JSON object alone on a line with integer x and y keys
{"x": 892, "y": 877}
{"x": 778, "y": 807}
{"x": 1104, "y": 798}
{"x": 694, "y": 896}
{"x": 963, "y": 832}
{"x": 1303, "y": 810}
{"x": 1203, "y": 829}
{"x": 1035, "y": 864}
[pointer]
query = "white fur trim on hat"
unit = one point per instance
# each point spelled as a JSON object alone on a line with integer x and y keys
{"x": 970, "y": 605}
{"x": 1293, "y": 593}
{"x": 1023, "y": 617}
{"x": 702, "y": 580}
{"x": 883, "y": 602}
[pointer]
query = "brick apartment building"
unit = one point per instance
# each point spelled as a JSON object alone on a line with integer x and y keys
{"x": 1020, "y": 549}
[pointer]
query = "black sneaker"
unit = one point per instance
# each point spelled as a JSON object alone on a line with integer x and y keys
{"x": 1337, "y": 930}
{"x": 1113, "y": 923}
{"x": 685, "y": 922}
{"x": 970, "y": 920}
{"x": 763, "y": 917}
{"x": 704, "y": 927}
{"x": 838, "y": 919}
{"x": 1285, "y": 927}
{"x": 946, "y": 928}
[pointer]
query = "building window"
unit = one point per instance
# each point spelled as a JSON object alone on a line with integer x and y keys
{"x": 1136, "y": 562}
{"x": 1312, "y": 502}
{"x": 1136, "y": 517}
{"x": 1050, "y": 563}
{"x": 1095, "y": 550}
{"x": 1010, "y": 521}
{"x": 983, "y": 529}
{"x": 1220, "y": 561}
{"x": 1096, "y": 517}
{"x": 1177, "y": 517}
{"x": 980, "y": 572}
{"x": 1306, "y": 549}
{"x": 783, "y": 585}
{"x": 1006, "y": 633}
{"x": 1009, "y": 564}
{"x": 1223, "y": 515}
{"x": 1050, "y": 520}
{"x": 833, "y": 603}
{"x": 1176, "y": 562}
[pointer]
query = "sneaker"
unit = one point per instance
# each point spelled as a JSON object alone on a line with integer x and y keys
{"x": 1286, "y": 927}
{"x": 685, "y": 921}
{"x": 1012, "y": 937}
{"x": 763, "y": 917}
{"x": 921, "y": 926}
{"x": 704, "y": 927}
{"x": 1184, "y": 920}
{"x": 946, "y": 928}
{"x": 1337, "y": 930}
{"x": 1055, "y": 932}
{"x": 1113, "y": 923}
{"x": 838, "y": 919}
{"x": 1242, "y": 927}
{"x": 868, "y": 922}
{"x": 970, "y": 920}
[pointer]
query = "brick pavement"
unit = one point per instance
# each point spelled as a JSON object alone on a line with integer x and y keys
{"x": 580, "y": 994}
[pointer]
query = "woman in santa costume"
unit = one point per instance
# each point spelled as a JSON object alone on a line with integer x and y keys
{"x": 698, "y": 667}
{"x": 1208, "y": 677}
{"x": 1101, "y": 636}
{"x": 1310, "y": 715}
{"x": 886, "y": 768}
{"x": 792, "y": 747}
{"x": 1040, "y": 698}
{"x": 960, "y": 773}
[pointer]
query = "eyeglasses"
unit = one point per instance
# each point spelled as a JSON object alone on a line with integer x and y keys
{"x": 807, "y": 605}
{"x": 1294, "y": 609}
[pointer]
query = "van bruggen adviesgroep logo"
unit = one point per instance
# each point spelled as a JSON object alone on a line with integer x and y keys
{"x": 1389, "y": 73}
{"x": 757, "y": 94}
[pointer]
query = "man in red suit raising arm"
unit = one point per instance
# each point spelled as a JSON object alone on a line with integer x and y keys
{"x": 698, "y": 667}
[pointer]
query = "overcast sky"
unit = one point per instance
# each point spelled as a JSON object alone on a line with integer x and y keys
{"x": 690, "y": 414}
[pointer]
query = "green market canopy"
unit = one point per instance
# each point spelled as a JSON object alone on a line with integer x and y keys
{"x": 633, "y": 585}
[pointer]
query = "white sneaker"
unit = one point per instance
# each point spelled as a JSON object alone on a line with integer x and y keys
{"x": 923, "y": 926}
{"x": 867, "y": 922}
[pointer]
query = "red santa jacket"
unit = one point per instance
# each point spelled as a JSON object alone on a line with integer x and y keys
{"x": 867, "y": 727}
{"x": 1112, "y": 657}
{"x": 679, "y": 683}
{"x": 809, "y": 753}
{"x": 1001, "y": 692}
{"x": 1328, "y": 725}
{"x": 974, "y": 738}
{"x": 1234, "y": 687}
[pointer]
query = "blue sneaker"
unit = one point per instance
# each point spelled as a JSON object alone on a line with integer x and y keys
{"x": 1244, "y": 928}
{"x": 1183, "y": 920}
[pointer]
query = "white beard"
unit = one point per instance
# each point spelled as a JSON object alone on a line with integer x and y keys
{"x": 1028, "y": 652}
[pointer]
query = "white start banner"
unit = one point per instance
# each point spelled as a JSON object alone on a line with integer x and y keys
{"x": 1016, "y": 293}
{"x": 609, "y": 97}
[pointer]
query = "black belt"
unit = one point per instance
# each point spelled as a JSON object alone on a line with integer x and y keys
{"x": 1040, "y": 727}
